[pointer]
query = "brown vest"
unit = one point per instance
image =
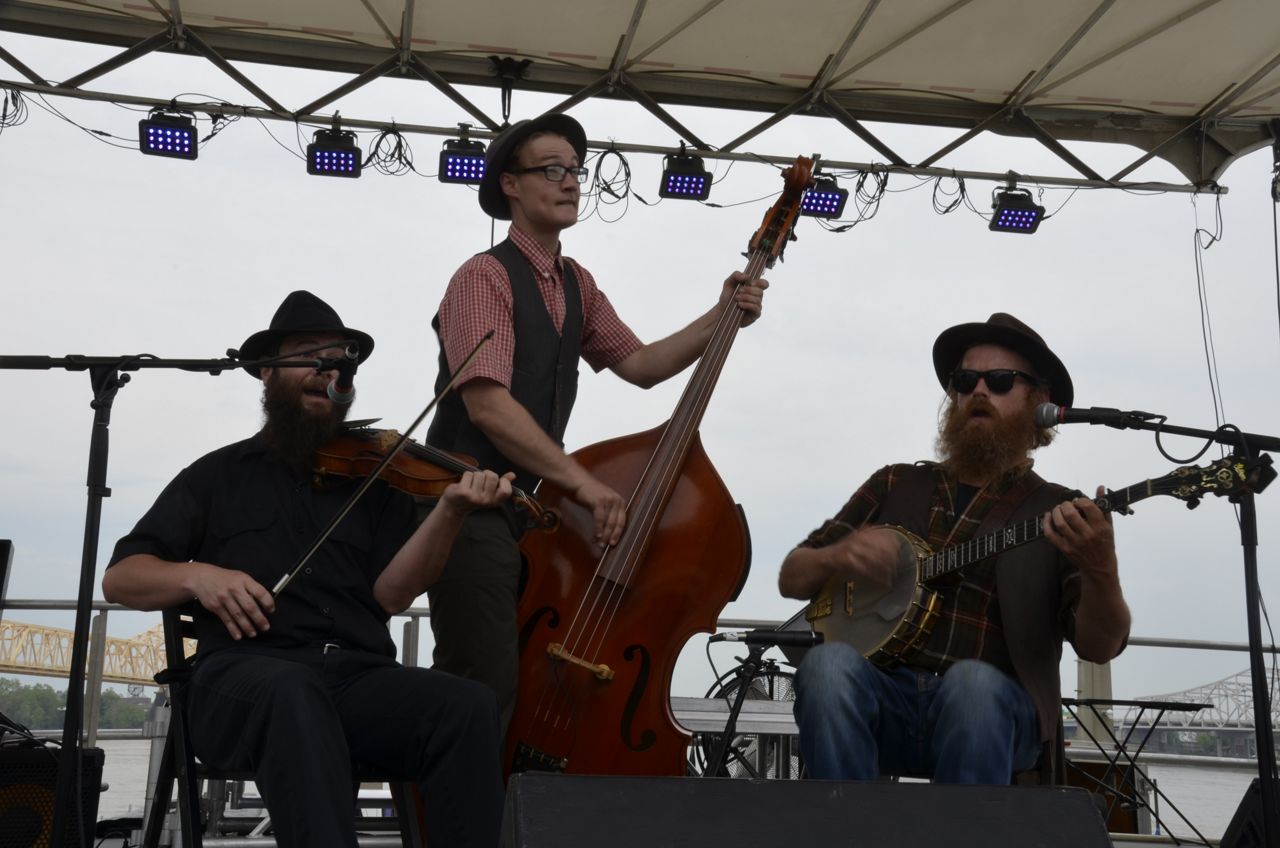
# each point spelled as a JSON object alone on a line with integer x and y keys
{"x": 1027, "y": 588}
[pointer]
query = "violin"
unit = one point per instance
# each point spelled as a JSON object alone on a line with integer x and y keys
{"x": 417, "y": 469}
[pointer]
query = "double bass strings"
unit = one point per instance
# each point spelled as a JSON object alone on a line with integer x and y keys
{"x": 597, "y": 610}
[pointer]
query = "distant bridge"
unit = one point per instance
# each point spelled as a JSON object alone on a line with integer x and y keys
{"x": 46, "y": 652}
{"x": 1231, "y": 699}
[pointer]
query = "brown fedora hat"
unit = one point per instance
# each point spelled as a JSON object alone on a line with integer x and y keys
{"x": 1006, "y": 331}
{"x": 492, "y": 199}
{"x": 301, "y": 312}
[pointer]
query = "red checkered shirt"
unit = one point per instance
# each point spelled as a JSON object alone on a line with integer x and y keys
{"x": 479, "y": 299}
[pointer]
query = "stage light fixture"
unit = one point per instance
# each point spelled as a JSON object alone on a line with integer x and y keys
{"x": 461, "y": 159}
{"x": 1014, "y": 211}
{"x": 825, "y": 199}
{"x": 168, "y": 133}
{"x": 334, "y": 153}
{"x": 684, "y": 177}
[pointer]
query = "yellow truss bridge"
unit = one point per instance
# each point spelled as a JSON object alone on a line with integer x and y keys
{"x": 46, "y": 651}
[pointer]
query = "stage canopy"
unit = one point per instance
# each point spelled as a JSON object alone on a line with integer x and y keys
{"x": 1194, "y": 82}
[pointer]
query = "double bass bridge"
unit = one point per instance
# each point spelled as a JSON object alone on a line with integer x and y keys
{"x": 600, "y": 670}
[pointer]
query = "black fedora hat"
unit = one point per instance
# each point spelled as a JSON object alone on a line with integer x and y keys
{"x": 301, "y": 312}
{"x": 492, "y": 200}
{"x": 1006, "y": 331}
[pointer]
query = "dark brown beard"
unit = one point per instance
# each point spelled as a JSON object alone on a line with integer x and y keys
{"x": 987, "y": 453}
{"x": 293, "y": 433}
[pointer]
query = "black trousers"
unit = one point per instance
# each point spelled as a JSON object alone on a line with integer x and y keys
{"x": 473, "y": 608}
{"x": 297, "y": 718}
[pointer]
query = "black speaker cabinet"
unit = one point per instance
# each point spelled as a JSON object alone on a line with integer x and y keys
{"x": 570, "y": 811}
{"x": 28, "y": 785}
{"x": 1246, "y": 827}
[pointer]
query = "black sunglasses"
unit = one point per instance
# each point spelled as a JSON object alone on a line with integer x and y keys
{"x": 998, "y": 380}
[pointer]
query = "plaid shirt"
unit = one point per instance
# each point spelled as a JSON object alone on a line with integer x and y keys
{"x": 479, "y": 299}
{"x": 969, "y": 624}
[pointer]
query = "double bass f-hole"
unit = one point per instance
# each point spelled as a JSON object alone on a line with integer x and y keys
{"x": 593, "y": 697}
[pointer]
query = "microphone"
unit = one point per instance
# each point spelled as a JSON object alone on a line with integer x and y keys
{"x": 342, "y": 389}
{"x": 764, "y": 636}
{"x": 1051, "y": 415}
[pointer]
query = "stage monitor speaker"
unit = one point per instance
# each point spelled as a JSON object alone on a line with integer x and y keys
{"x": 28, "y": 785}
{"x": 571, "y": 811}
{"x": 1246, "y": 827}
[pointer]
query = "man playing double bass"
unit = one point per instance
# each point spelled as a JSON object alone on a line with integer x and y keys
{"x": 979, "y": 701}
{"x": 514, "y": 401}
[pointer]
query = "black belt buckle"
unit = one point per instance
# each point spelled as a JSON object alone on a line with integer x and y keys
{"x": 330, "y": 646}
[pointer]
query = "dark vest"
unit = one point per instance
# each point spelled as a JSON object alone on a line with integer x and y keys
{"x": 544, "y": 374}
{"x": 1027, "y": 589}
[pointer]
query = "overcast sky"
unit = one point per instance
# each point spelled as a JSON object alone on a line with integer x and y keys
{"x": 108, "y": 252}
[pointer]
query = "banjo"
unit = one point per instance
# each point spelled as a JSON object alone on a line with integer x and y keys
{"x": 887, "y": 624}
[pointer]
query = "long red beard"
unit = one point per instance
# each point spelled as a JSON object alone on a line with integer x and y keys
{"x": 985, "y": 452}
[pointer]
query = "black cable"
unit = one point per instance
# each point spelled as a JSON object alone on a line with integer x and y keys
{"x": 1203, "y": 240}
{"x": 391, "y": 154}
{"x": 13, "y": 112}
{"x": 97, "y": 135}
{"x": 611, "y": 185}
{"x": 959, "y": 195}
{"x": 291, "y": 150}
{"x": 1275, "y": 254}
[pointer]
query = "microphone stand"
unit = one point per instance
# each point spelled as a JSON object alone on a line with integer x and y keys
{"x": 1248, "y": 444}
{"x": 747, "y": 671}
{"x": 106, "y": 380}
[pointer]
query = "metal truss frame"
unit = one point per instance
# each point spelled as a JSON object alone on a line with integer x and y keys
{"x": 1200, "y": 147}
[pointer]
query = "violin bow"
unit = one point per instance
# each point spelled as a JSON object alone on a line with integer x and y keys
{"x": 373, "y": 475}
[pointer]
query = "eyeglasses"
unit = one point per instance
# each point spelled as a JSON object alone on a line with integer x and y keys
{"x": 555, "y": 173}
{"x": 998, "y": 380}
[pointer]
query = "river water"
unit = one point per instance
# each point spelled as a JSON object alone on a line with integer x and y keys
{"x": 1207, "y": 797}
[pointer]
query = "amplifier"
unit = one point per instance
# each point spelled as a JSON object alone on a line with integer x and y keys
{"x": 28, "y": 786}
{"x": 574, "y": 811}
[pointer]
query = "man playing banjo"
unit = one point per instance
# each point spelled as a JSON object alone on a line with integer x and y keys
{"x": 973, "y": 695}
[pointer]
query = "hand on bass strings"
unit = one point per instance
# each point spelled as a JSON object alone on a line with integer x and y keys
{"x": 608, "y": 509}
{"x": 241, "y": 603}
{"x": 749, "y": 297}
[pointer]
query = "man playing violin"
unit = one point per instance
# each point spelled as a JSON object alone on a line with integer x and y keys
{"x": 515, "y": 399}
{"x": 979, "y": 700}
{"x": 295, "y": 688}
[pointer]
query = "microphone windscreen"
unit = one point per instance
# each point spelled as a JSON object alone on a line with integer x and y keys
{"x": 1047, "y": 415}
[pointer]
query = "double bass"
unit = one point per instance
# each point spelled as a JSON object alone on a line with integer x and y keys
{"x": 599, "y": 633}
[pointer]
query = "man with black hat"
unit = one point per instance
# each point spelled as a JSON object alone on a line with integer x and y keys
{"x": 514, "y": 401}
{"x": 297, "y": 687}
{"x": 978, "y": 699}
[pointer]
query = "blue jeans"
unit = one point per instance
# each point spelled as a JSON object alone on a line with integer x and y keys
{"x": 973, "y": 724}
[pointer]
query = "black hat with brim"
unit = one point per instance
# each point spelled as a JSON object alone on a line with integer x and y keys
{"x": 301, "y": 312}
{"x": 1006, "y": 331}
{"x": 492, "y": 199}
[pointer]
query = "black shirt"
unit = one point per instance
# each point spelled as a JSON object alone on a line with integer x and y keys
{"x": 239, "y": 507}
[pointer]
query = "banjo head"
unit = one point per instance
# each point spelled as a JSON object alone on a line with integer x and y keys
{"x": 865, "y": 615}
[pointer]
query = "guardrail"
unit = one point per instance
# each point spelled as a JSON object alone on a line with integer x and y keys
{"x": 1093, "y": 681}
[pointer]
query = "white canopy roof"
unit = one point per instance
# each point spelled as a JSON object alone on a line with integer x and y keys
{"x": 1195, "y": 82}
